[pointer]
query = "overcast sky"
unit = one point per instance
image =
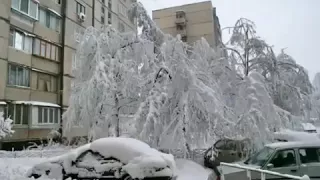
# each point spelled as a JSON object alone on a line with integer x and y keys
{"x": 294, "y": 24}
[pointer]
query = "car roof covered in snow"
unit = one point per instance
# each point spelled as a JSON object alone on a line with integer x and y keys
{"x": 294, "y": 144}
{"x": 290, "y": 135}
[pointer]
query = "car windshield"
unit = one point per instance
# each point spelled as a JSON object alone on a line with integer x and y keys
{"x": 261, "y": 157}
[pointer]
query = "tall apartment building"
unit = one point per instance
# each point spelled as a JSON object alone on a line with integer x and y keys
{"x": 37, "y": 48}
{"x": 191, "y": 21}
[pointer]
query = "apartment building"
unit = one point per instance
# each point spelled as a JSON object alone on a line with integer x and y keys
{"x": 38, "y": 40}
{"x": 191, "y": 21}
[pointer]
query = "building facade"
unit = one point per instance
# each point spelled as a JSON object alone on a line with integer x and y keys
{"x": 38, "y": 40}
{"x": 191, "y": 21}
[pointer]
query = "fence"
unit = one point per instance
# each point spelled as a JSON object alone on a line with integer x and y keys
{"x": 263, "y": 173}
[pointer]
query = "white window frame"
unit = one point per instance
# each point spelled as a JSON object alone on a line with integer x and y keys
{"x": 47, "y": 16}
{"x": 29, "y": 13}
{"x": 26, "y": 75}
{"x": 13, "y": 117}
{"x": 42, "y": 108}
{"x": 26, "y": 41}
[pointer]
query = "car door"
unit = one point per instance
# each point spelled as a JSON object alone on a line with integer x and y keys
{"x": 284, "y": 162}
{"x": 310, "y": 162}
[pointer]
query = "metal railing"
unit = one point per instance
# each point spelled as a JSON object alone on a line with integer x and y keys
{"x": 263, "y": 173}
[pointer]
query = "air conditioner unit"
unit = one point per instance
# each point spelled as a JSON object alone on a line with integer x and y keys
{"x": 81, "y": 17}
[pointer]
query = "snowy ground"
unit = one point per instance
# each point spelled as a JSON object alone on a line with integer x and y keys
{"x": 15, "y": 169}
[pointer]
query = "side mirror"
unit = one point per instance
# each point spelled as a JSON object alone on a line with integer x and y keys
{"x": 270, "y": 166}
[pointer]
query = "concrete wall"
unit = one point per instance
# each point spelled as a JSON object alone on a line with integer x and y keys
{"x": 199, "y": 17}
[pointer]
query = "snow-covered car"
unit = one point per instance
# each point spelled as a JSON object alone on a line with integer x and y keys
{"x": 226, "y": 150}
{"x": 109, "y": 158}
{"x": 287, "y": 135}
{"x": 293, "y": 158}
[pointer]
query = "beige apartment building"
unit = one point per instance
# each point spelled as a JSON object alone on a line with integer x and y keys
{"x": 191, "y": 21}
{"x": 38, "y": 40}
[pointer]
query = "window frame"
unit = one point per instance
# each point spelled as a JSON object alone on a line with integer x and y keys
{"x": 29, "y": 8}
{"x": 304, "y": 148}
{"x": 46, "y": 20}
{"x": 24, "y": 78}
{"x": 56, "y": 112}
{"x": 22, "y": 111}
{"x": 26, "y": 40}
{"x": 45, "y": 44}
{"x": 282, "y": 150}
{"x": 80, "y": 8}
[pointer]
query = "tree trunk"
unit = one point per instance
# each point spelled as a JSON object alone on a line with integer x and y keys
{"x": 115, "y": 117}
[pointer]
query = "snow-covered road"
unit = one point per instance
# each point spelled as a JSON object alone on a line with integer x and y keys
{"x": 16, "y": 168}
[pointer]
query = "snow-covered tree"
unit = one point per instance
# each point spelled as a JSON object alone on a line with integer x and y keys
{"x": 245, "y": 47}
{"x": 315, "y": 98}
{"x": 106, "y": 81}
{"x": 5, "y": 126}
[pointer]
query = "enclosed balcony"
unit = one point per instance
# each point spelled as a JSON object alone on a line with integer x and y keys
{"x": 181, "y": 18}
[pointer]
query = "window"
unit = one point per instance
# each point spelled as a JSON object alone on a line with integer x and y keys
{"x": 57, "y": 1}
{"x": 121, "y": 27}
{"x": 46, "y": 49}
{"x": 103, "y": 1}
{"x": 18, "y": 76}
{"x": 19, "y": 113}
{"x": 102, "y": 10}
{"x": 81, "y": 8}
{"x": 46, "y": 82}
{"x": 109, "y": 18}
{"x": 309, "y": 155}
{"x": 48, "y": 115}
{"x": 102, "y": 19}
{"x": 110, "y": 4}
{"x": 284, "y": 158}
{"x": 19, "y": 40}
{"x": 184, "y": 38}
{"x": 49, "y": 19}
{"x": 261, "y": 157}
{"x": 123, "y": 10}
{"x": 27, "y": 7}
{"x": 179, "y": 27}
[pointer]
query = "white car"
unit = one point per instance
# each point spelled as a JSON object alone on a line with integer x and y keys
{"x": 109, "y": 158}
{"x": 293, "y": 158}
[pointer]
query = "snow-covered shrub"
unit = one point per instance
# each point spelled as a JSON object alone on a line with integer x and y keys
{"x": 5, "y": 126}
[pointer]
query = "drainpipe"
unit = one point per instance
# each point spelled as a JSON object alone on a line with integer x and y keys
{"x": 93, "y": 8}
{"x": 63, "y": 34}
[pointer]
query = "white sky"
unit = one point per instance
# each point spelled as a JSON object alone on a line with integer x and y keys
{"x": 294, "y": 24}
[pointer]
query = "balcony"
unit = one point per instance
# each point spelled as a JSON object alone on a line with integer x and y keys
{"x": 180, "y": 18}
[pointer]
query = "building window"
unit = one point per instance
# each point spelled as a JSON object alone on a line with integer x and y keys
{"x": 18, "y": 76}
{"x": 19, "y": 113}
{"x": 49, "y": 19}
{"x": 102, "y": 19}
{"x": 109, "y": 18}
{"x": 27, "y": 7}
{"x": 121, "y": 27}
{"x": 102, "y": 10}
{"x": 123, "y": 10}
{"x": 46, "y": 49}
{"x": 103, "y": 2}
{"x": 48, "y": 115}
{"x": 19, "y": 40}
{"x": 184, "y": 38}
{"x": 57, "y": 1}
{"x": 81, "y": 8}
{"x": 46, "y": 82}
{"x": 110, "y": 4}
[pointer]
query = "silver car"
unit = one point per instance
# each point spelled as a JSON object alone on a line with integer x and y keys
{"x": 293, "y": 158}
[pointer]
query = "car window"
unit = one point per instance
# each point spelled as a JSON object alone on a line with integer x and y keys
{"x": 261, "y": 157}
{"x": 284, "y": 158}
{"x": 309, "y": 155}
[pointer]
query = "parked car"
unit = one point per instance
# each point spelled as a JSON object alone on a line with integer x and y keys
{"x": 295, "y": 158}
{"x": 109, "y": 158}
{"x": 226, "y": 150}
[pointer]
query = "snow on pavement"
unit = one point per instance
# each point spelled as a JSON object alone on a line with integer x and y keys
{"x": 189, "y": 170}
{"x": 16, "y": 168}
